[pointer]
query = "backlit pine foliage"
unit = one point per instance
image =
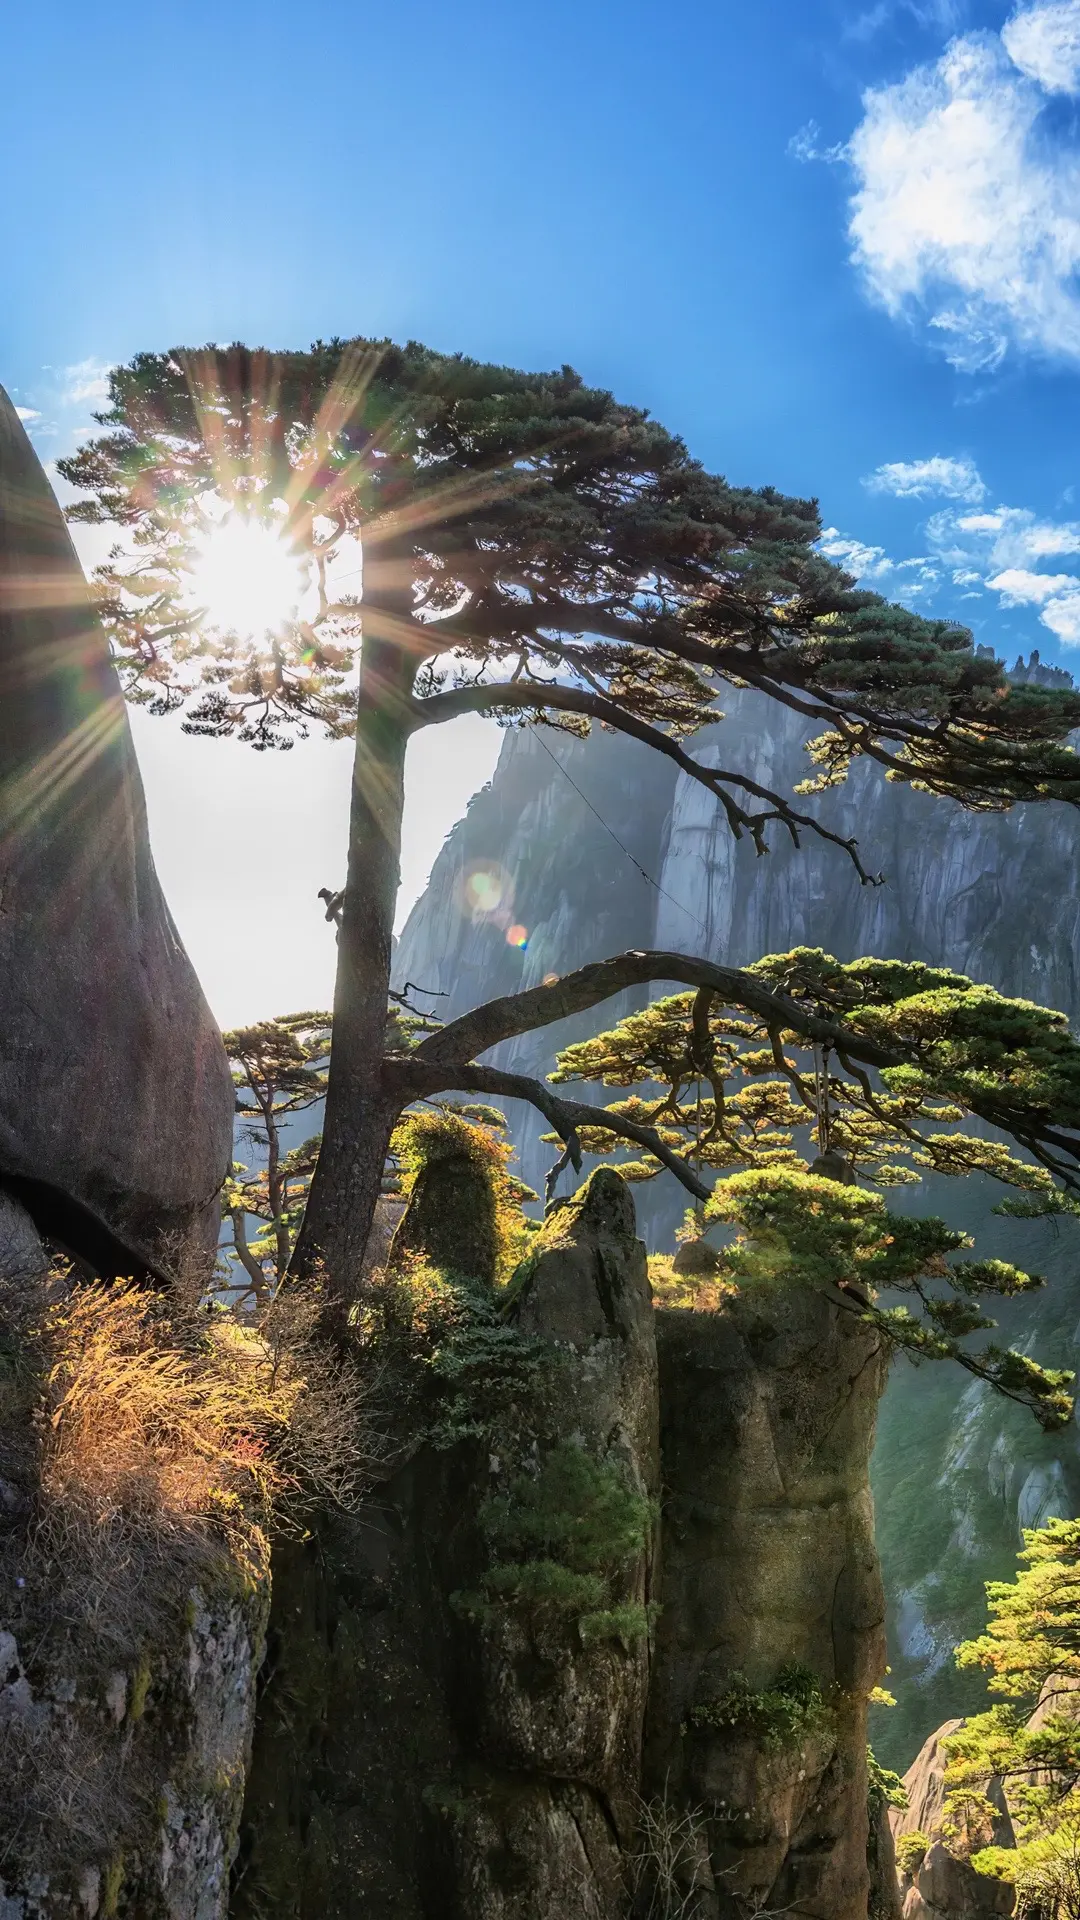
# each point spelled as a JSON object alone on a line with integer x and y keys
{"x": 735, "y": 1095}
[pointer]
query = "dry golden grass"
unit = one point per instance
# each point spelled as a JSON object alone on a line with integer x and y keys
{"x": 150, "y": 1447}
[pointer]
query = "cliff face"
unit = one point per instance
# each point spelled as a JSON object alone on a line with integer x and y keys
{"x": 127, "y": 1680}
{"x": 116, "y": 1102}
{"x": 439, "y": 1737}
{"x": 769, "y": 1573}
{"x": 956, "y": 1471}
{"x": 609, "y": 1630}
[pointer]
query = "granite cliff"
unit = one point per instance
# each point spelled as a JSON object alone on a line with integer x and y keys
{"x": 609, "y": 850}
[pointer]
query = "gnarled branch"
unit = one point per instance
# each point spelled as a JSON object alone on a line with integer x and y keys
{"x": 414, "y": 1078}
{"x": 440, "y": 707}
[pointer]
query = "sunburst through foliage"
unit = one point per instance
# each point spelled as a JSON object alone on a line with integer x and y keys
{"x": 245, "y": 579}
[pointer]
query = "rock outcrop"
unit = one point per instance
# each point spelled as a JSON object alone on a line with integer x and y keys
{"x": 506, "y": 1691}
{"x": 771, "y": 1630}
{"x": 123, "y": 1752}
{"x": 957, "y": 1472}
{"x": 442, "y": 1735}
{"x": 945, "y": 1888}
{"x": 941, "y": 1885}
{"x": 116, "y": 1103}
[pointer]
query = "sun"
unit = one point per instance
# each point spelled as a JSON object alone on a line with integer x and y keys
{"x": 244, "y": 578}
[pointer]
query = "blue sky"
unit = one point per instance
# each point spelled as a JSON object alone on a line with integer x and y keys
{"x": 835, "y": 243}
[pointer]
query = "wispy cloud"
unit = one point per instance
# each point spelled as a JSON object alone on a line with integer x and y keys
{"x": 966, "y": 212}
{"x": 866, "y": 563}
{"x": 86, "y": 381}
{"x": 944, "y": 15}
{"x": 952, "y": 479}
{"x": 873, "y": 566}
{"x": 27, "y": 414}
{"x": 806, "y": 145}
{"x": 1000, "y": 551}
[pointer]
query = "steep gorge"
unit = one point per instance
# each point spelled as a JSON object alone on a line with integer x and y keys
{"x": 609, "y": 850}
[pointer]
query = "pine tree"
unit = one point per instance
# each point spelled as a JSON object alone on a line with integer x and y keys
{"x": 529, "y": 548}
{"x": 279, "y": 1070}
{"x": 1030, "y": 1739}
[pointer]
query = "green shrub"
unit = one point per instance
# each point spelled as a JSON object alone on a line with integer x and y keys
{"x": 787, "y": 1713}
{"x": 560, "y": 1540}
{"x": 883, "y": 1787}
{"x": 911, "y": 1849}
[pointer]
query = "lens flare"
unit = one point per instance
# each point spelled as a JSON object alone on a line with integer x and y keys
{"x": 486, "y": 890}
{"x": 517, "y": 936}
{"x": 245, "y": 578}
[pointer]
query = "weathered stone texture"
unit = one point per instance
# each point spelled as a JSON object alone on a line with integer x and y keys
{"x": 414, "y": 1765}
{"x": 945, "y": 1888}
{"x": 130, "y": 1779}
{"x": 115, "y": 1097}
{"x": 173, "y": 1737}
{"x": 767, "y": 1419}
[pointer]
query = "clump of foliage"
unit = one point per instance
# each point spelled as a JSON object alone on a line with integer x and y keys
{"x": 479, "y": 1205}
{"x": 787, "y": 1714}
{"x": 732, "y": 1091}
{"x": 561, "y": 1538}
{"x": 1030, "y": 1739}
{"x": 736, "y": 1088}
{"x": 1031, "y": 1650}
{"x": 704, "y": 1291}
{"x": 799, "y": 1230}
{"x": 461, "y": 1371}
{"x": 968, "y": 1819}
{"x": 884, "y": 1787}
{"x": 911, "y": 1850}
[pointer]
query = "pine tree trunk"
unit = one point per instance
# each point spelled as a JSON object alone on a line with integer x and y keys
{"x": 359, "y": 1118}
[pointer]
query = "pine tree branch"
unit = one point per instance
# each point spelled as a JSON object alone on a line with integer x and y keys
{"x": 518, "y": 1013}
{"x": 504, "y": 1019}
{"x": 415, "y": 1078}
{"x": 559, "y": 699}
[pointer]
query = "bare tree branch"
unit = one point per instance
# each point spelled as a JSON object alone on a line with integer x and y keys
{"x": 559, "y": 699}
{"x": 414, "y": 1078}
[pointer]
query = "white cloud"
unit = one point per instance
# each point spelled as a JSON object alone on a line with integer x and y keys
{"x": 956, "y": 479}
{"x": 1000, "y": 550}
{"x": 1020, "y": 588}
{"x": 866, "y": 563}
{"x": 1007, "y": 537}
{"x": 26, "y": 414}
{"x": 1062, "y": 616}
{"x": 87, "y": 381}
{"x": 964, "y": 213}
{"x": 1044, "y": 42}
{"x": 1057, "y": 595}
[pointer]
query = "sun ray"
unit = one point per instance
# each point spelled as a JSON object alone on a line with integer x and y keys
{"x": 245, "y": 578}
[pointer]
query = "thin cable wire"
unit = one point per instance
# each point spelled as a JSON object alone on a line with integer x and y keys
{"x": 619, "y": 843}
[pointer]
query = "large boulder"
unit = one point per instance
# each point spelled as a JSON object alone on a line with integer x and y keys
{"x": 924, "y": 1784}
{"x": 115, "y": 1097}
{"x": 947, "y": 1888}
